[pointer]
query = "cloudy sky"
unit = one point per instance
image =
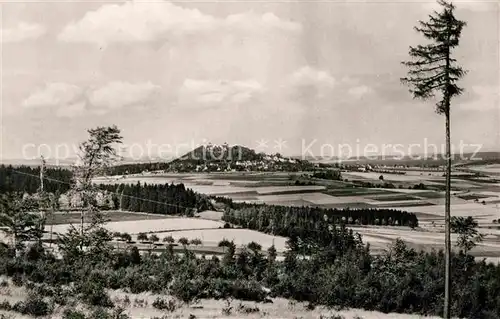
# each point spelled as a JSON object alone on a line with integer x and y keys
{"x": 238, "y": 72}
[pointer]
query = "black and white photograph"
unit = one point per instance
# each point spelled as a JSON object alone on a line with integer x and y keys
{"x": 274, "y": 159}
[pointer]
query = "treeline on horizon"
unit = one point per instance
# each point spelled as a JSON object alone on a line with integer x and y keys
{"x": 136, "y": 168}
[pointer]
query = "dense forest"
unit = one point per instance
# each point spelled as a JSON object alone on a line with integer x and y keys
{"x": 263, "y": 217}
{"x": 168, "y": 199}
{"x": 27, "y": 179}
{"x": 279, "y": 220}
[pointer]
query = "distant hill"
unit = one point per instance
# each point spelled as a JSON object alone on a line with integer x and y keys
{"x": 214, "y": 157}
{"x": 431, "y": 160}
{"x": 218, "y": 153}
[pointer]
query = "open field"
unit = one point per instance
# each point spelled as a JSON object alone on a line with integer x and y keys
{"x": 158, "y": 225}
{"x": 313, "y": 198}
{"x": 397, "y": 197}
{"x": 241, "y": 237}
{"x": 210, "y": 214}
{"x": 112, "y": 216}
{"x": 467, "y": 209}
{"x": 279, "y": 187}
{"x": 490, "y": 168}
{"x": 352, "y": 191}
{"x": 387, "y": 177}
{"x": 210, "y": 232}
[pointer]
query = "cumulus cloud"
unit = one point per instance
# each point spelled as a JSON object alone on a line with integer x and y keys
{"x": 308, "y": 76}
{"x": 308, "y": 83}
{"x": 22, "y": 31}
{"x": 53, "y": 94}
{"x": 204, "y": 93}
{"x": 115, "y": 95}
{"x": 251, "y": 20}
{"x": 71, "y": 110}
{"x": 138, "y": 21}
{"x": 68, "y": 100}
{"x": 135, "y": 21}
{"x": 315, "y": 88}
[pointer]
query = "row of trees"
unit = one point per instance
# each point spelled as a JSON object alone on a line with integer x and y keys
{"x": 364, "y": 184}
{"x": 328, "y": 174}
{"x": 278, "y": 219}
{"x": 26, "y": 179}
{"x": 167, "y": 199}
{"x": 137, "y": 168}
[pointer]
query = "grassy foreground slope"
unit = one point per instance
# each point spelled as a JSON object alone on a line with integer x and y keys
{"x": 142, "y": 306}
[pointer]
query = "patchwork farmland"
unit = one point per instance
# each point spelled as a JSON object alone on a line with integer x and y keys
{"x": 470, "y": 197}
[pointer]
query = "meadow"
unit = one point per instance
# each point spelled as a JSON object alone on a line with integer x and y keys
{"x": 489, "y": 168}
{"x": 134, "y": 227}
{"x": 74, "y": 217}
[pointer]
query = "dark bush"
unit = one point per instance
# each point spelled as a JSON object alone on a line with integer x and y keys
{"x": 34, "y": 305}
{"x": 135, "y": 255}
{"x": 247, "y": 309}
{"x": 73, "y": 314}
{"x": 100, "y": 313}
{"x": 93, "y": 293}
{"x": 163, "y": 304}
{"x": 5, "y": 305}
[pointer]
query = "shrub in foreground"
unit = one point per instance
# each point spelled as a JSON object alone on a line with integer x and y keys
{"x": 34, "y": 305}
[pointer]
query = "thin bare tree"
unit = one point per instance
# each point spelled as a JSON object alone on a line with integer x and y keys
{"x": 97, "y": 153}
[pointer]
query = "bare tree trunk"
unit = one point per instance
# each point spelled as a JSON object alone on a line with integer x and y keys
{"x": 81, "y": 229}
{"x": 14, "y": 241}
{"x": 50, "y": 236}
{"x": 447, "y": 282}
{"x": 82, "y": 214}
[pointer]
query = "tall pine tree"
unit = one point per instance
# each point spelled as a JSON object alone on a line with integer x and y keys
{"x": 432, "y": 72}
